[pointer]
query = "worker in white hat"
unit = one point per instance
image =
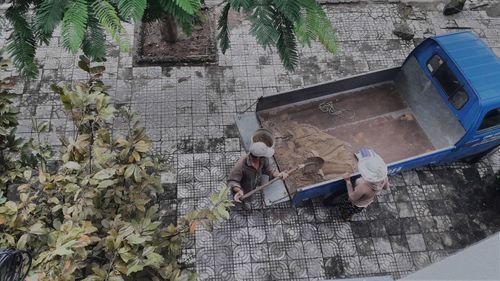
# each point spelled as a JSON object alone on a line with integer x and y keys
{"x": 251, "y": 170}
{"x": 373, "y": 179}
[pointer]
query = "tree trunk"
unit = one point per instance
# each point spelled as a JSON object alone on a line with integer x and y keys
{"x": 168, "y": 29}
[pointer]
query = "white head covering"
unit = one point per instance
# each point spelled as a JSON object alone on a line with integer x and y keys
{"x": 372, "y": 167}
{"x": 260, "y": 149}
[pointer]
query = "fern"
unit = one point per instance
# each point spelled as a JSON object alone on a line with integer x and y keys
{"x": 325, "y": 31}
{"x": 93, "y": 44}
{"x": 185, "y": 5}
{"x": 315, "y": 25}
{"x": 108, "y": 17}
{"x": 132, "y": 9}
{"x": 263, "y": 26}
{"x": 286, "y": 43}
{"x": 222, "y": 25}
{"x": 49, "y": 14}
{"x": 74, "y": 25}
{"x": 289, "y": 8}
{"x": 21, "y": 44}
{"x": 184, "y": 19}
{"x": 246, "y": 5}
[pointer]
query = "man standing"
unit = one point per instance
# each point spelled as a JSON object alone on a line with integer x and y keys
{"x": 251, "y": 170}
{"x": 373, "y": 180}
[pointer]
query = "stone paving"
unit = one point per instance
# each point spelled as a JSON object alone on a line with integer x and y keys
{"x": 190, "y": 112}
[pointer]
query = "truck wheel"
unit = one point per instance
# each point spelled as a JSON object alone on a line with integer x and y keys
{"x": 477, "y": 157}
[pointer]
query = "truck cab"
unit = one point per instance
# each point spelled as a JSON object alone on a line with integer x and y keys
{"x": 466, "y": 74}
{"x": 441, "y": 105}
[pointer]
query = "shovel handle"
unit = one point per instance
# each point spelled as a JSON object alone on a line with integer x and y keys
{"x": 259, "y": 188}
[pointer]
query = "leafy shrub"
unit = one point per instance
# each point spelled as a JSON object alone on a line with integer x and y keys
{"x": 92, "y": 219}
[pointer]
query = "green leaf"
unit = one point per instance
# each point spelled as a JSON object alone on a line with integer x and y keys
{"x": 63, "y": 251}
{"x": 21, "y": 243}
{"x": 104, "y": 174}
{"x": 106, "y": 183}
{"x": 223, "y": 28}
{"x": 132, "y": 9}
{"x": 48, "y": 15}
{"x": 74, "y": 25}
{"x": 129, "y": 171}
{"x": 154, "y": 260}
{"x": 21, "y": 44}
{"x": 108, "y": 17}
{"x": 135, "y": 268}
{"x": 37, "y": 229}
{"x": 135, "y": 239}
{"x": 185, "y": 5}
{"x": 71, "y": 165}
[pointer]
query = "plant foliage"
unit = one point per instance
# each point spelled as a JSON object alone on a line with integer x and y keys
{"x": 281, "y": 23}
{"x": 274, "y": 23}
{"x": 92, "y": 218}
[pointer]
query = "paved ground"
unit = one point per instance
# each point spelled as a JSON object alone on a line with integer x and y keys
{"x": 428, "y": 214}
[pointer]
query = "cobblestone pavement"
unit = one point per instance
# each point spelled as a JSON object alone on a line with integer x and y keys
{"x": 428, "y": 214}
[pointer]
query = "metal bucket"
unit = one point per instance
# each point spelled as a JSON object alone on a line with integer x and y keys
{"x": 265, "y": 136}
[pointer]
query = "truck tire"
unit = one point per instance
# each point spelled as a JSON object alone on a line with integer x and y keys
{"x": 473, "y": 159}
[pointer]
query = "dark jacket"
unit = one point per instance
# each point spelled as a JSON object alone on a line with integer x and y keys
{"x": 243, "y": 174}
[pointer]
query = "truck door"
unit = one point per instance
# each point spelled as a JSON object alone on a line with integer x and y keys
{"x": 487, "y": 135}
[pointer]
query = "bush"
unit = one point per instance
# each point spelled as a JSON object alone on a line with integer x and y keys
{"x": 93, "y": 218}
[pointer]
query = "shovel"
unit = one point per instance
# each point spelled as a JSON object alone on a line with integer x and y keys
{"x": 310, "y": 166}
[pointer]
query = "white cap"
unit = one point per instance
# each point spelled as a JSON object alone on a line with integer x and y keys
{"x": 372, "y": 167}
{"x": 260, "y": 149}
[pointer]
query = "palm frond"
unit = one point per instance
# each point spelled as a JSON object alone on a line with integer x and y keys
{"x": 222, "y": 25}
{"x": 286, "y": 43}
{"x": 132, "y": 9}
{"x": 263, "y": 25}
{"x": 315, "y": 25}
{"x": 74, "y": 25}
{"x": 93, "y": 44}
{"x": 185, "y": 5}
{"x": 108, "y": 17}
{"x": 48, "y": 15}
{"x": 21, "y": 44}
{"x": 184, "y": 19}
{"x": 246, "y": 5}
{"x": 289, "y": 8}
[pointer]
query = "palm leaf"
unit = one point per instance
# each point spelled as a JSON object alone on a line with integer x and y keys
{"x": 186, "y": 6}
{"x": 108, "y": 17}
{"x": 93, "y": 45}
{"x": 223, "y": 35}
{"x": 48, "y": 14}
{"x": 315, "y": 25}
{"x": 74, "y": 25}
{"x": 132, "y": 9}
{"x": 184, "y": 19}
{"x": 21, "y": 44}
{"x": 286, "y": 43}
{"x": 289, "y": 8}
{"x": 263, "y": 26}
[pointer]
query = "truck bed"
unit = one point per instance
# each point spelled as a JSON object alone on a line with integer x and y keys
{"x": 375, "y": 117}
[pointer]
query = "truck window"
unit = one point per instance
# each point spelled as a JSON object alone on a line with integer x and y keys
{"x": 492, "y": 119}
{"x": 448, "y": 81}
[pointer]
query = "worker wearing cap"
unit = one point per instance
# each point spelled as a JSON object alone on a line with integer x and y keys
{"x": 373, "y": 179}
{"x": 251, "y": 170}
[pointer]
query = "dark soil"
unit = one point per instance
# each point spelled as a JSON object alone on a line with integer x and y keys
{"x": 198, "y": 48}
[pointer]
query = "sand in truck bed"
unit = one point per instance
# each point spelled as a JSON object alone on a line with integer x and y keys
{"x": 375, "y": 117}
{"x": 296, "y": 142}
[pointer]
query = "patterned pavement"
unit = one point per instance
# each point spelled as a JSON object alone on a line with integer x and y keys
{"x": 190, "y": 112}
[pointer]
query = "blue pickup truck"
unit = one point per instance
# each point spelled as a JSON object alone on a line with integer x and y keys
{"x": 441, "y": 105}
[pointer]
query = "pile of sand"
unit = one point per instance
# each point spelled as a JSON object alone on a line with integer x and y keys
{"x": 295, "y": 142}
